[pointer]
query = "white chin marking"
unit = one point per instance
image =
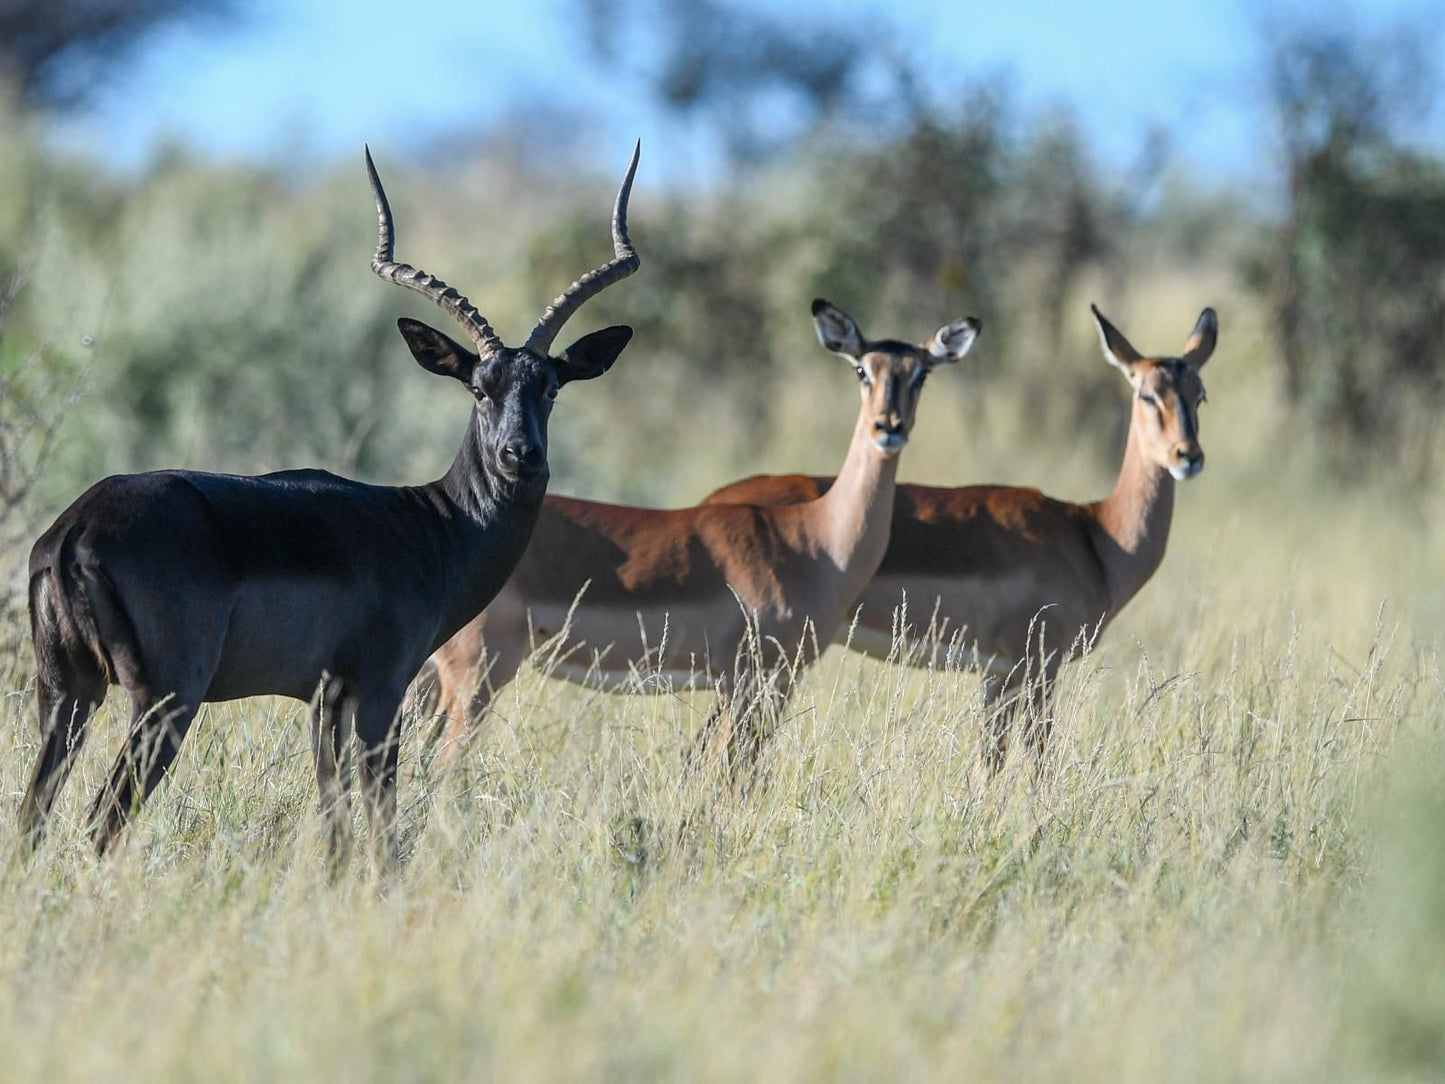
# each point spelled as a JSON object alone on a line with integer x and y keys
{"x": 1183, "y": 474}
{"x": 891, "y": 444}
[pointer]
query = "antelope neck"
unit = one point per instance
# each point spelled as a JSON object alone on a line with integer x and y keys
{"x": 473, "y": 489}
{"x": 1133, "y": 521}
{"x": 479, "y": 523}
{"x": 852, "y": 519}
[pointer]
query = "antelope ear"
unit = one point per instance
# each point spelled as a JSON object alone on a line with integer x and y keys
{"x": 836, "y": 329}
{"x": 1117, "y": 350}
{"x": 435, "y": 352}
{"x": 952, "y": 341}
{"x": 1202, "y": 339}
{"x": 593, "y": 354}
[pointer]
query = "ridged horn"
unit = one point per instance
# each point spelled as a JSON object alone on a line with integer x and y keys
{"x": 448, "y": 297}
{"x": 625, "y": 261}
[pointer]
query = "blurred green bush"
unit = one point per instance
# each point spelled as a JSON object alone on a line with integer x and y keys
{"x": 237, "y": 326}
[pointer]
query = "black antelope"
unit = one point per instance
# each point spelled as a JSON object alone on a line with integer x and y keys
{"x": 993, "y": 569}
{"x": 683, "y": 592}
{"x": 186, "y": 588}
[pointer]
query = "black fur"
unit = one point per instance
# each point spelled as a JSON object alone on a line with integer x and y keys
{"x": 184, "y": 588}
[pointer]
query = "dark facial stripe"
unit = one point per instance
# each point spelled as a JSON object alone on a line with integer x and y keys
{"x": 894, "y": 396}
{"x": 1188, "y": 422}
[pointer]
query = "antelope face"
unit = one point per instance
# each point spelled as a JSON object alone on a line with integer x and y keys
{"x": 890, "y": 372}
{"x": 1166, "y": 406}
{"x": 514, "y": 388}
{"x": 514, "y": 391}
{"x": 890, "y": 376}
{"x": 1167, "y": 394}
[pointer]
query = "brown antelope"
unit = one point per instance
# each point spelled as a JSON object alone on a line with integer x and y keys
{"x": 993, "y": 569}
{"x": 186, "y": 588}
{"x": 684, "y": 592}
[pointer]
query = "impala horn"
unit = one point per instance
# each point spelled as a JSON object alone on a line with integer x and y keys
{"x": 624, "y": 262}
{"x": 448, "y": 297}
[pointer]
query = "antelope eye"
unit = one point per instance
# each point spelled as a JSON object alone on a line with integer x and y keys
{"x": 862, "y": 373}
{"x": 1148, "y": 397}
{"x": 486, "y": 382}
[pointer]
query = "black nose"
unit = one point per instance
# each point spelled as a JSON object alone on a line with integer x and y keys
{"x": 522, "y": 456}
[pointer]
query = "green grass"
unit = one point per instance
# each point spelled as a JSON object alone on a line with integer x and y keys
{"x": 1231, "y": 869}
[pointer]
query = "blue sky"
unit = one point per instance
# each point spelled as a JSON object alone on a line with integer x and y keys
{"x": 314, "y": 79}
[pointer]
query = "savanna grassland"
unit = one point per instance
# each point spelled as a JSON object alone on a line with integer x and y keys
{"x": 1230, "y": 867}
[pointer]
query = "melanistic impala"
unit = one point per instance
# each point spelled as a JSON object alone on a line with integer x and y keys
{"x": 732, "y": 592}
{"x": 186, "y": 588}
{"x": 1016, "y": 579}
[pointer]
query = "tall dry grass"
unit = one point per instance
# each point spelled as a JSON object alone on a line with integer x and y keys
{"x": 1229, "y": 869}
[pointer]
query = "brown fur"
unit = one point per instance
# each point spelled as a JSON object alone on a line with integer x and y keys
{"x": 1016, "y": 579}
{"x": 674, "y": 592}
